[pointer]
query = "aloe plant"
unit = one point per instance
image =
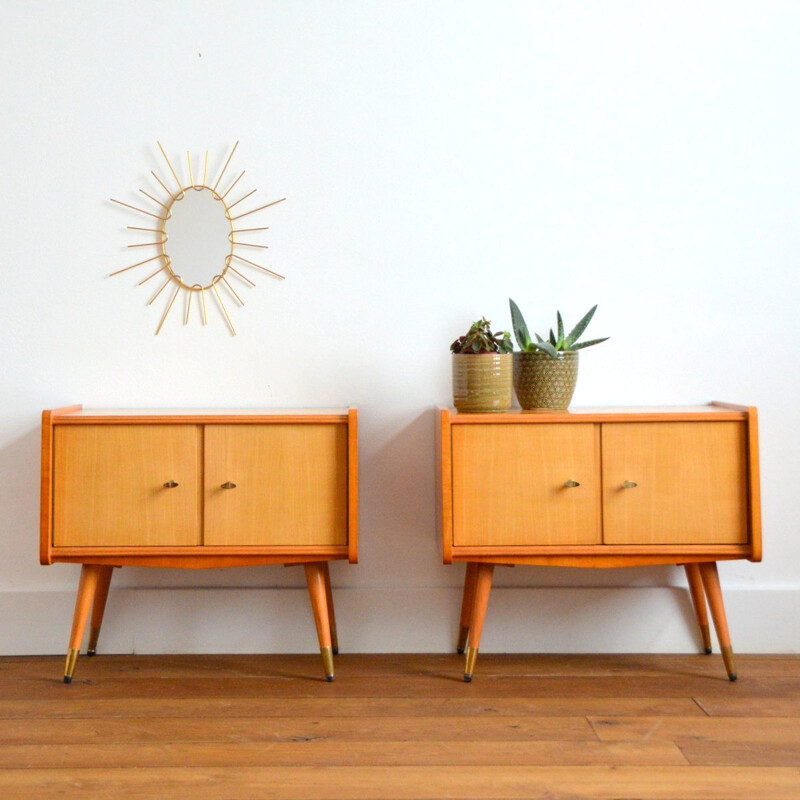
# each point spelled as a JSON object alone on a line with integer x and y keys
{"x": 480, "y": 339}
{"x": 557, "y": 342}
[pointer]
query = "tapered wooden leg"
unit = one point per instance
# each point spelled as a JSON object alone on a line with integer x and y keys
{"x": 699, "y": 602}
{"x": 480, "y": 601}
{"x": 710, "y": 578}
{"x": 319, "y": 603}
{"x": 90, "y": 575}
{"x": 98, "y": 608}
{"x": 466, "y": 605}
{"x": 329, "y": 599}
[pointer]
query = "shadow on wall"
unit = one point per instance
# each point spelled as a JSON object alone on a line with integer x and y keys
{"x": 19, "y": 499}
{"x": 658, "y": 575}
{"x": 589, "y": 620}
{"x": 397, "y": 539}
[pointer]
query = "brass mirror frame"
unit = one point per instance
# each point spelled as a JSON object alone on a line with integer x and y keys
{"x": 166, "y": 266}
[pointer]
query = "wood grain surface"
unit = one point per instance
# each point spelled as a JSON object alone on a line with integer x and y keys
{"x": 691, "y": 483}
{"x": 401, "y": 726}
{"x": 290, "y": 484}
{"x": 510, "y": 485}
{"x": 108, "y": 485}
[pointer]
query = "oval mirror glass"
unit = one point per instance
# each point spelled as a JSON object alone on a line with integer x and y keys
{"x": 197, "y": 237}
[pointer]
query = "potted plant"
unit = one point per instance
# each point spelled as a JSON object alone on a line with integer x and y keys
{"x": 482, "y": 369}
{"x": 546, "y": 370}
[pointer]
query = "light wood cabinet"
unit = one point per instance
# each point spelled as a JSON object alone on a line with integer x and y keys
{"x": 691, "y": 483}
{"x": 290, "y": 485}
{"x": 194, "y": 489}
{"x": 509, "y": 485}
{"x": 110, "y": 485}
{"x": 599, "y": 488}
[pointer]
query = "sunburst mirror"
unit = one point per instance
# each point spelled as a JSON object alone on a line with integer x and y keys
{"x": 200, "y": 240}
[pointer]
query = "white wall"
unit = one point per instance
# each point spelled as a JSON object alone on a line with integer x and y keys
{"x": 437, "y": 157}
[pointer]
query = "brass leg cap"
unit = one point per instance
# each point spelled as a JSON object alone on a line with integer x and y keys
{"x": 706, "y": 638}
{"x": 94, "y": 635}
{"x": 463, "y": 635}
{"x": 327, "y": 661}
{"x": 472, "y": 655}
{"x": 69, "y": 668}
{"x": 730, "y": 666}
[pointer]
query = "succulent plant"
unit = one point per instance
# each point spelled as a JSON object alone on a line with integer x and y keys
{"x": 556, "y": 342}
{"x": 480, "y": 339}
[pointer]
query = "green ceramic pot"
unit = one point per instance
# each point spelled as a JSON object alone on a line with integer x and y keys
{"x": 482, "y": 381}
{"x": 545, "y": 383}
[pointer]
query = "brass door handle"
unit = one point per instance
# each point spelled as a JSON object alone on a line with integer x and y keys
{"x": 571, "y": 484}
{"x": 228, "y": 485}
{"x": 629, "y": 485}
{"x": 170, "y": 484}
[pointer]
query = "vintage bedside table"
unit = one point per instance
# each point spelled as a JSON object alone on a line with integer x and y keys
{"x": 196, "y": 490}
{"x": 599, "y": 488}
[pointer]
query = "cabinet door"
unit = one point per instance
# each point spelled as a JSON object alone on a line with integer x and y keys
{"x": 510, "y": 484}
{"x": 108, "y": 485}
{"x": 290, "y": 484}
{"x": 691, "y": 483}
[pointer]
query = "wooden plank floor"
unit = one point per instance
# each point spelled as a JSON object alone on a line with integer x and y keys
{"x": 203, "y": 727}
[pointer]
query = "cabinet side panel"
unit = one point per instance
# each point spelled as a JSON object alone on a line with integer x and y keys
{"x": 690, "y": 483}
{"x": 46, "y": 481}
{"x": 525, "y": 485}
{"x": 444, "y": 483}
{"x": 108, "y": 485}
{"x": 352, "y": 485}
{"x": 291, "y": 484}
{"x": 46, "y": 490}
{"x": 754, "y": 484}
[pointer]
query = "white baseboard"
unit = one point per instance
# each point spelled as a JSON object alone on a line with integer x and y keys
{"x": 519, "y": 620}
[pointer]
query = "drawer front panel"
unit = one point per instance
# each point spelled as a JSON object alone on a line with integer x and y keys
{"x": 290, "y": 484}
{"x": 509, "y": 485}
{"x": 108, "y": 485}
{"x": 691, "y": 483}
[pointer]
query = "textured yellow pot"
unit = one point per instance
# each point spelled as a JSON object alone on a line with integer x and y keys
{"x": 482, "y": 381}
{"x": 544, "y": 383}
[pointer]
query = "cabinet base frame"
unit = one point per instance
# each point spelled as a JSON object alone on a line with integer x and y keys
{"x": 600, "y": 561}
{"x": 195, "y": 562}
